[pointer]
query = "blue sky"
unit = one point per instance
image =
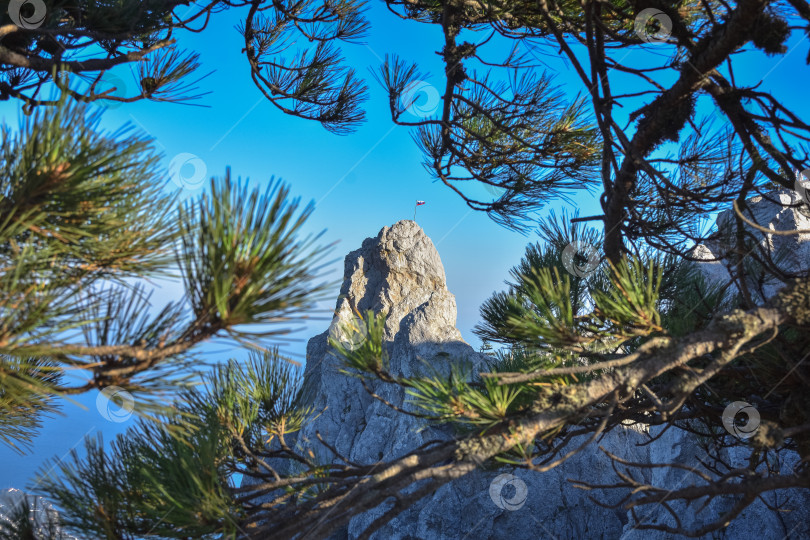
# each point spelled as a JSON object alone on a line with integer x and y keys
{"x": 359, "y": 182}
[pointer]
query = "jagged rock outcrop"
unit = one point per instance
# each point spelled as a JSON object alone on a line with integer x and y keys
{"x": 779, "y": 210}
{"x": 400, "y": 272}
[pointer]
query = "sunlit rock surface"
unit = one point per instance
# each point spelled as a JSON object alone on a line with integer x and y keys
{"x": 399, "y": 272}
{"x": 781, "y": 210}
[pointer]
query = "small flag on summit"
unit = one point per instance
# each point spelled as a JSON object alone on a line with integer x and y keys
{"x": 418, "y": 204}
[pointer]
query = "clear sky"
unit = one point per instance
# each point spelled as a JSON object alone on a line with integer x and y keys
{"x": 360, "y": 182}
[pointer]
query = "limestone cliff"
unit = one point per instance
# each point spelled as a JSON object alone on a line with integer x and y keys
{"x": 400, "y": 272}
{"x": 780, "y": 210}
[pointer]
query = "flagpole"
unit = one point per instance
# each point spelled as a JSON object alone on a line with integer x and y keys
{"x": 417, "y": 205}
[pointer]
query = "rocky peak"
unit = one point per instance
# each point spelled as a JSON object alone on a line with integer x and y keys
{"x": 399, "y": 273}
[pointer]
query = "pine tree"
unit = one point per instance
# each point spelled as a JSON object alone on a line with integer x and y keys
{"x": 626, "y": 331}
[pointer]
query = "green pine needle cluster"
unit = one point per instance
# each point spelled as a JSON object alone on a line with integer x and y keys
{"x": 179, "y": 483}
{"x": 86, "y": 214}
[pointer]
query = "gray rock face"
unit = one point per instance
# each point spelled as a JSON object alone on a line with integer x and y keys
{"x": 778, "y": 210}
{"x": 399, "y": 272}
